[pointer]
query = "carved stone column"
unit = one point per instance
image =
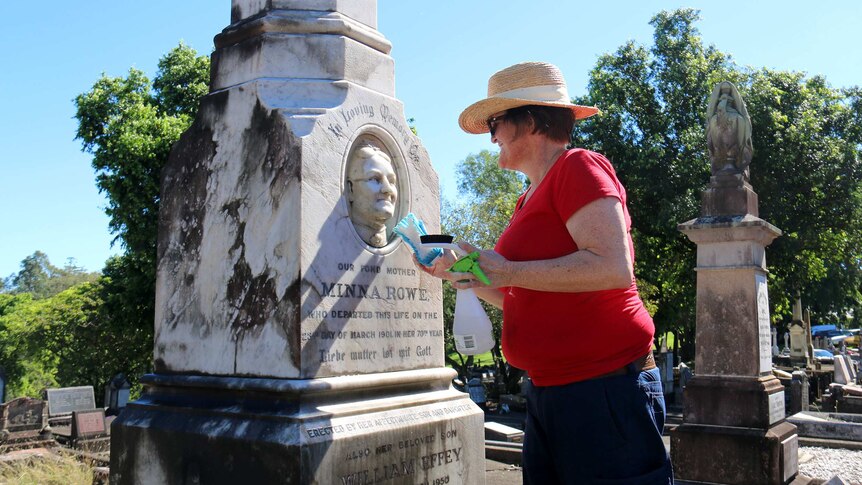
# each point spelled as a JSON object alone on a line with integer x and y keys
{"x": 290, "y": 345}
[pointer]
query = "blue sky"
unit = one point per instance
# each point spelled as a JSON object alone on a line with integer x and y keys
{"x": 444, "y": 51}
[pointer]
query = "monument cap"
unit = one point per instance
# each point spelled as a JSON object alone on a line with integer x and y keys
{"x": 527, "y": 83}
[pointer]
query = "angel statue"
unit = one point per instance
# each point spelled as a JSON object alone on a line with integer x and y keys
{"x": 728, "y": 131}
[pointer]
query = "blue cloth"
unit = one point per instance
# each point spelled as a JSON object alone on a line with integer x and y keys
{"x": 598, "y": 431}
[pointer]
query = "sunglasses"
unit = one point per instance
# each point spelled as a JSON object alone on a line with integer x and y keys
{"x": 493, "y": 122}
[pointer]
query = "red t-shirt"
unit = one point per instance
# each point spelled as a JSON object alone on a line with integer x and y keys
{"x": 559, "y": 337}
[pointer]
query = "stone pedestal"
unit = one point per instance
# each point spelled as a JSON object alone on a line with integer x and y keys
{"x": 728, "y": 195}
{"x": 398, "y": 427}
{"x": 289, "y": 346}
{"x": 733, "y": 429}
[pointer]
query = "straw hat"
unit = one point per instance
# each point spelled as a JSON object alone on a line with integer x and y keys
{"x": 528, "y": 83}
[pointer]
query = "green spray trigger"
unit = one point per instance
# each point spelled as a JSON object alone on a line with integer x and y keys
{"x": 470, "y": 264}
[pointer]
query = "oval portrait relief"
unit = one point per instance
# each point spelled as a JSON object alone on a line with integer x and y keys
{"x": 371, "y": 191}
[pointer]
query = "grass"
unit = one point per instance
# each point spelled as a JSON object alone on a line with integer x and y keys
{"x": 47, "y": 470}
{"x": 481, "y": 359}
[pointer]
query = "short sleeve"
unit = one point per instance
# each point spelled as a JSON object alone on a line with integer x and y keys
{"x": 581, "y": 178}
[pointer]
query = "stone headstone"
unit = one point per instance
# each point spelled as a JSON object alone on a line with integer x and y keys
{"x": 665, "y": 363}
{"x": 798, "y": 393}
{"x": 842, "y": 373}
{"x": 117, "y": 392}
{"x": 500, "y": 432}
{"x": 685, "y": 374}
{"x": 22, "y": 414}
{"x": 86, "y": 424}
{"x": 798, "y": 344}
{"x": 65, "y": 400}
{"x": 282, "y": 292}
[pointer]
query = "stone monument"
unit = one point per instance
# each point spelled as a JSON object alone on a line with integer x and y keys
{"x": 733, "y": 429}
{"x": 801, "y": 350}
{"x": 295, "y": 341}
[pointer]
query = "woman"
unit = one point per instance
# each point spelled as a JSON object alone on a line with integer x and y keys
{"x": 562, "y": 272}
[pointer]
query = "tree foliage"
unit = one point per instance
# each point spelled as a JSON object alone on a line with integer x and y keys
{"x": 69, "y": 337}
{"x": 42, "y": 279}
{"x": 129, "y": 125}
{"x": 805, "y": 168}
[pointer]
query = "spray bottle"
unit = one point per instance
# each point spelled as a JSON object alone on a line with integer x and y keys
{"x": 472, "y": 328}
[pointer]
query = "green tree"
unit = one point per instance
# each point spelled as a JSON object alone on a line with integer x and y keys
{"x": 42, "y": 279}
{"x": 805, "y": 168}
{"x": 487, "y": 197}
{"x": 129, "y": 125}
{"x": 808, "y": 176}
{"x": 68, "y": 339}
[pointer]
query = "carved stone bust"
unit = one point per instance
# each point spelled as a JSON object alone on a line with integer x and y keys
{"x": 371, "y": 192}
{"x": 728, "y": 131}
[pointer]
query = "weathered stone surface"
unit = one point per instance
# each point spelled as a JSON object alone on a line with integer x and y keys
{"x": 754, "y": 402}
{"x": 728, "y": 196}
{"x": 734, "y": 429}
{"x": 259, "y": 262}
{"x": 735, "y": 456}
{"x": 65, "y": 400}
{"x": 401, "y": 428}
{"x": 364, "y": 11}
{"x": 732, "y": 297}
{"x": 288, "y": 347}
{"x": 22, "y": 414}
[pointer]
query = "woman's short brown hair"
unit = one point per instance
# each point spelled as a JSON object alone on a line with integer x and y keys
{"x": 555, "y": 123}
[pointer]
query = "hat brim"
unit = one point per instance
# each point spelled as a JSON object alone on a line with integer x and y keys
{"x": 474, "y": 118}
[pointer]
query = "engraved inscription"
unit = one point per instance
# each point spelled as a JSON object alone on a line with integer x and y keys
{"x": 763, "y": 325}
{"x": 421, "y": 444}
{"x": 776, "y": 407}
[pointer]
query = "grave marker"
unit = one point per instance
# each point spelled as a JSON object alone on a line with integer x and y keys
{"x": 289, "y": 318}
{"x": 22, "y": 414}
{"x": 87, "y": 424}
{"x": 734, "y": 406}
{"x": 65, "y": 400}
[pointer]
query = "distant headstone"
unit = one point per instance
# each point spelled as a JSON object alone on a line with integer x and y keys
{"x": 66, "y": 400}
{"x": 476, "y": 390}
{"x": 843, "y": 372}
{"x": 685, "y": 375}
{"x": 798, "y": 344}
{"x": 22, "y": 414}
{"x": 798, "y": 393}
{"x": 117, "y": 393}
{"x": 500, "y": 432}
{"x": 665, "y": 362}
{"x": 775, "y": 350}
{"x": 87, "y": 424}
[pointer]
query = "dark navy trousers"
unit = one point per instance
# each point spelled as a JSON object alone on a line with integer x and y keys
{"x": 599, "y": 431}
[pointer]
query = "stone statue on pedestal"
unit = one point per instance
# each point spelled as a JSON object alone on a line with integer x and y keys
{"x": 733, "y": 407}
{"x": 728, "y": 131}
